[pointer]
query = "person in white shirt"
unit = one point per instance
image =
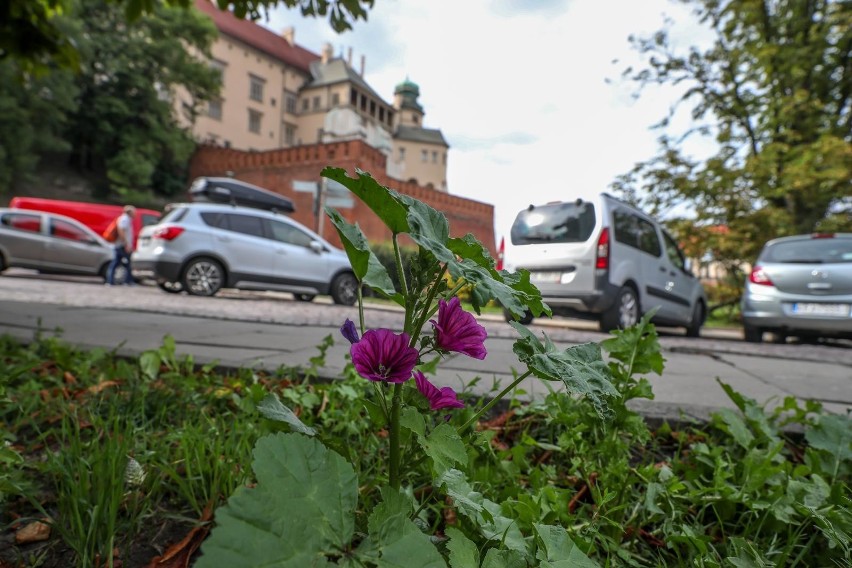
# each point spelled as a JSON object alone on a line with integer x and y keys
{"x": 123, "y": 246}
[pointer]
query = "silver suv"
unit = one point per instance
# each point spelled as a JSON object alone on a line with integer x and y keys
{"x": 204, "y": 247}
{"x": 602, "y": 259}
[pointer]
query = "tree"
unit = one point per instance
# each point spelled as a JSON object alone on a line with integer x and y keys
{"x": 33, "y": 116}
{"x": 125, "y": 128}
{"x": 774, "y": 91}
{"x": 31, "y": 33}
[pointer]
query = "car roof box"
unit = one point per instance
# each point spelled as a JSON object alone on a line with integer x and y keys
{"x": 236, "y": 192}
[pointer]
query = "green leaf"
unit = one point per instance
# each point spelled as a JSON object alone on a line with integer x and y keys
{"x": 384, "y": 202}
{"x": 149, "y": 365}
{"x": 274, "y": 409}
{"x": 557, "y": 550}
{"x": 366, "y": 265}
{"x": 637, "y": 347}
{"x": 445, "y": 447}
{"x": 833, "y": 434}
{"x": 396, "y": 540}
{"x": 499, "y": 558}
{"x": 301, "y": 509}
{"x": 580, "y": 367}
{"x": 470, "y": 248}
{"x": 463, "y": 551}
{"x": 651, "y": 493}
{"x": 411, "y": 419}
{"x": 736, "y": 427}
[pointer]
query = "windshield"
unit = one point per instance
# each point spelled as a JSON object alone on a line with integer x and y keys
{"x": 811, "y": 251}
{"x": 554, "y": 223}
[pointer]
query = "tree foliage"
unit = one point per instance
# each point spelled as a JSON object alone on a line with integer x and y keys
{"x": 131, "y": 78}
{"x": 31, "y": 31}
{"x": 774, "y": 92}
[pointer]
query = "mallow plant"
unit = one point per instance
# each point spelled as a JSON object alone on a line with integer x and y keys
{"x": 309, "y": 505}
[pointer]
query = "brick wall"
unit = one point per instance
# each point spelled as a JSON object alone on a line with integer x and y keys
{"x": 277, "y": 169}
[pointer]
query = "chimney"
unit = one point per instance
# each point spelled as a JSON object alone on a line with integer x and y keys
{"x": 289, "y": 34}
{"x": 349, "y": 57}
{"x": 327, "y": 52}
{"x": 363, "y": 62}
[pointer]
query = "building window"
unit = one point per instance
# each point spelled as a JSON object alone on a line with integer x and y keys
{"x": 290, "y": 102}
{"x": 289, "y": 134}
{"x": 381, "y": 114}
{"x": 434, "y": 157}
{"x": 353, "y": 97}
{"x": 414, "y": 119}
{"x": 402, "y": 154}
{"x": 256, "y": 88}
{"x": 305, "y": 105}
{"x": 372, "y": 108}
{"x": 445, "y": 158}
{"x": 335, "y": 99}
{"x": 316, "y": 103}
{"x": 254, "y": 121}
{"x": 214, "y": 109}
{"x": 219, "y": 67}
{"x": 424, "y": 156}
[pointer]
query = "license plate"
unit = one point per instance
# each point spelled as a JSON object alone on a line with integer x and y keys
{"x": 806, "y": 309}
{"x": 545, "y": 276}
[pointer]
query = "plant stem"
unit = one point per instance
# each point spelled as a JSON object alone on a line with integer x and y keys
{"x": 394, "y": 436}
{"x": 493, "y": 401}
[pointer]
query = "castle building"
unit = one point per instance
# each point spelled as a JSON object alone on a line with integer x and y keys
{"x": 276, "y": 94}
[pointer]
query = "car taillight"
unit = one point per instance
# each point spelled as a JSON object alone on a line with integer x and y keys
{"x": 500, "y": 251}
{"x": 759, "y": 276}
{"x": 167, "y": 233}
{"x": 822, "y": 236}
{"x": 602, "y": 260}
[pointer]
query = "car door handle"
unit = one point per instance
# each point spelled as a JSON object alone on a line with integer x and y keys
{"x": 224, "y": 239}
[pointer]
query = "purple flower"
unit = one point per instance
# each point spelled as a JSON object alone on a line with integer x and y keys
{"x": 382, "y": 355}
{"x": 457, "y": 330}
{"x": 438, "y": 398}
{"x": 349, "y": 332}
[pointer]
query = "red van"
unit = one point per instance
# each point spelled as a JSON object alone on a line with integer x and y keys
{"x": 96, "y": 216}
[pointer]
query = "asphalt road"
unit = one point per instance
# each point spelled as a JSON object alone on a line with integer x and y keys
{"x": 264, "y": 330}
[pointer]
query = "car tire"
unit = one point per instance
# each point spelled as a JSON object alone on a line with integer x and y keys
{"x": 344, "y": 289}
{"x": 170, "y": 287}
{"x": 752, "y": 334}
{"x": 623, "y": 313}
{"x": 203, "y": 277}
{"x": 694, "y": 327}
{"x": 304, "y": 297}
{"x": 525, "y": 319}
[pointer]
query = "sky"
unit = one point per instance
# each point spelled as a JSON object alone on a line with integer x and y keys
{"x": 527, "y": 93}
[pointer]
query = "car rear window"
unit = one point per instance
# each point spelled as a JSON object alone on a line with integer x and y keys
{"x": 174, "y": 215}
{"x": 554, "y": 223}
{"x": 810, "y": 251}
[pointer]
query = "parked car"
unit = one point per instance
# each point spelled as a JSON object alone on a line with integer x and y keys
{"x": 603, "y": 259}
{"x": 96, "y": 216}
{"x": 800, "y": 286}
{"x": 204, "y": 247}
{"x": 52, "y": 243}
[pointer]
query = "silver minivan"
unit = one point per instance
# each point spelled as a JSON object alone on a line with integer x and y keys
{"x": 602, "y": 259}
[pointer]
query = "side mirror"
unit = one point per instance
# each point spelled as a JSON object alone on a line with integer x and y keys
{"x": 316, "y": 246}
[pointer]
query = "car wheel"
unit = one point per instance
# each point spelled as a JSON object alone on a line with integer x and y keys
{"x": 203, "y": 277}
{"x": 304, "y": 297}
{"x": 170, "y": 287}
{"x": 525, "y": 319}
{"x": 752, "y": 334}
{"x": 344, "y": 289}
{"x": 694, "y": 327}
{"x": 623, "y": 313}
{"x": 2, "y": 263}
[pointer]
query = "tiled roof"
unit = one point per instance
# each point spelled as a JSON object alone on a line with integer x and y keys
{"x": 424, "y": 135}
{"x": 258, "y": 37}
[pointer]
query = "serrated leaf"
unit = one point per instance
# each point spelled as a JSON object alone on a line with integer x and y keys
{"x": 557, "y": 550}
{"x": 411, "y": 419}
{"x": 637, "y": 347}
{"x": 445, "y": 447}
{"x": 301, "y": 509}
{"x": 470, "y": 248}
{"x": 497, "y": 558}
{"x": 396, "y": 540}
{"x": 366, "y": 265}
{"x": 274, "y": 409}
{"x": 463, "y": 551}
{"x": 381, "y": 200}
{"x": 579, "y": 367}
